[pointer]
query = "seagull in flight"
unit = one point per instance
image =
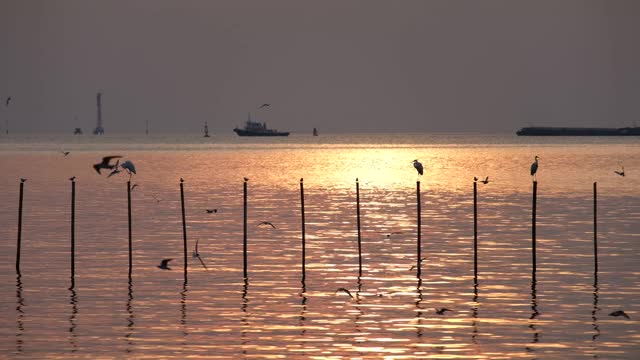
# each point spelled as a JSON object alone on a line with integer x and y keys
{"x": 345, "y": 291}
{"x": 211, "y": 211}
{"x": 115, "y": 170}
{"x": 267, "y": 223}
{"x": 485, "y": 181}
{"x": 6, "y": 103}
{"x": 65, "y": 153}
{"x": 263, "y": 105}
{"x": 442, "y": 311}
{"x": 418, "y": 166}
{"x": 196, "y": 254}
{"x": 164, "y": 265}
{"x": 618, "y": 313}
{"x": 621, "y": 173}
{"x": 106, "y": 163}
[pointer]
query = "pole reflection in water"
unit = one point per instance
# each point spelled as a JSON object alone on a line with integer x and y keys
{"x": 474, "y": 311}
{"x": 303, "y": 311}
{"x": 594, "y": 318}
{"x": 419, "y": 308}
{"x": 183, "y": 309}
{"x": 73, "y": 300}
{"x": 245, "y": 316}
{"x": 534, "y": 314}
{"x": 19, "y": 314}
{"x": 130, "y": 317}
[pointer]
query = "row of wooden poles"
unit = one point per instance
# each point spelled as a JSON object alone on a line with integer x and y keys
{"x": 244, "y": 240}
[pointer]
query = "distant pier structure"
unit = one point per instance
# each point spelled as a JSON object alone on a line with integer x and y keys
{"x": 99, "y": 130}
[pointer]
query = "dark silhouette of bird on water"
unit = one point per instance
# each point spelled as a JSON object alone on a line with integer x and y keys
{"x": 621, "y": 173}
{"x": 211, "y": 211}
{"x": 418, "y": 166}
{"x": 106, "y": 163}
{"x": 72, "y": 178}
{"x": 263, "y": 105}
{"x": 345, "y": 291}
{"x": 22, "y": 180}
{"x": 618, "y": 313}
{"x": 164, "y": 265}
{"x": 442, "y": 311}
{"x": 485, "y": 181}
{"x": 267, "y": 223}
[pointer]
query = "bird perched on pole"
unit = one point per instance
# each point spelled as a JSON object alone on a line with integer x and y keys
{"x": 534, "y": 168}
{"x": 418, "y": 166}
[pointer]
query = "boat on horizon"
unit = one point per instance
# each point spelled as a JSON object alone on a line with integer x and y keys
{"x": 256, "y": 128}
{"x": 577, "y": 131}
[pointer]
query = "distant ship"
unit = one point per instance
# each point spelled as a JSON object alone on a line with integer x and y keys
{"x": 315, "y": 132}
{"x": 255, "y": 128}
{"x": 578, "y": 131}
{"x": 206, "y": 129}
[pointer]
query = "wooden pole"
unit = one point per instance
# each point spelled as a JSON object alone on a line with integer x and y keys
{"x": 244, "y": 238}
{"x": 419, "y": 220}
{"x": 475, "y": 229}
{"x": 304, "y": 246}
{"x": 359, "y": 232}
{"x": 73, "y": 232}
{"x": 533, "y": 225}
{"x": 184, "y": 226}
{"x": 19, "y": 226}
{"x": 595, "y": 225}
{"x": 130, "y": 226}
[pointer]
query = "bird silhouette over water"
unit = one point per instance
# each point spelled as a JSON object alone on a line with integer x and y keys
{"x": 418, "y": 166}
{"x": 22, "y": 180}
{"x": 164, "y": 265}
{"x": 264, "y": 105}
{"x": 72, "y": 178}
{"x": 115, "y": 170}
{"x": 534, "y": 168}
{"x": 345, "y": 291}
{"x": 267, "y": 223}
{"x": 65, "y": 153}
{"x": 619, "y": 313}
{"x": 621, "y": 173}
{"x": 211, "y": 211}
{"x": 442, "y": 311}
{"x": 485, "y": 181}
{"x": 134, "y": 186}
{"x": 106, "y": 163}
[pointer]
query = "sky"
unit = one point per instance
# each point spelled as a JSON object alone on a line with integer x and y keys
{"x": 341, "y": 66}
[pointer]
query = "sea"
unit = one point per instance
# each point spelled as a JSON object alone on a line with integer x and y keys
{"x": 335, "y": 280}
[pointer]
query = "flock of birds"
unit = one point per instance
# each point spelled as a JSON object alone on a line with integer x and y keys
{"x": 129, "y": 167}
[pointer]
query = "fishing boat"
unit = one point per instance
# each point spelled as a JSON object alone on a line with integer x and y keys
{"x": 578, "y": 131}
{"x": 256, "y": 128}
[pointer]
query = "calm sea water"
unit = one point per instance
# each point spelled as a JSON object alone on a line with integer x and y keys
{"x": 215, "y": 313}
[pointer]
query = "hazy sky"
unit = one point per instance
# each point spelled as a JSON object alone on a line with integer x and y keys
{"x": 344, "y": 65}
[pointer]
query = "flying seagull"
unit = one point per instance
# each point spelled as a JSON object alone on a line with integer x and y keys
{"x": 267, "y": 223}
{"x": 6, "y": 103}
{"x": 105, "y": 164}
{"x": 442, "y": 311}
{"x": 196, "y": 254}
{"x": 534, "y": 168}
{"x": 211, "y": 211}
{"x": 346, "y": 291}
{"x": 115, "y": 170}
{"x": 65, "y": 153}
{"x": 619, "y": 313}
{"x": 418, "y": 166}
{"x": 164, "y": 265}
{"x": 485, "y": 181}
{"x": 621, "y": 173}
{"x": 263, "y": 105}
